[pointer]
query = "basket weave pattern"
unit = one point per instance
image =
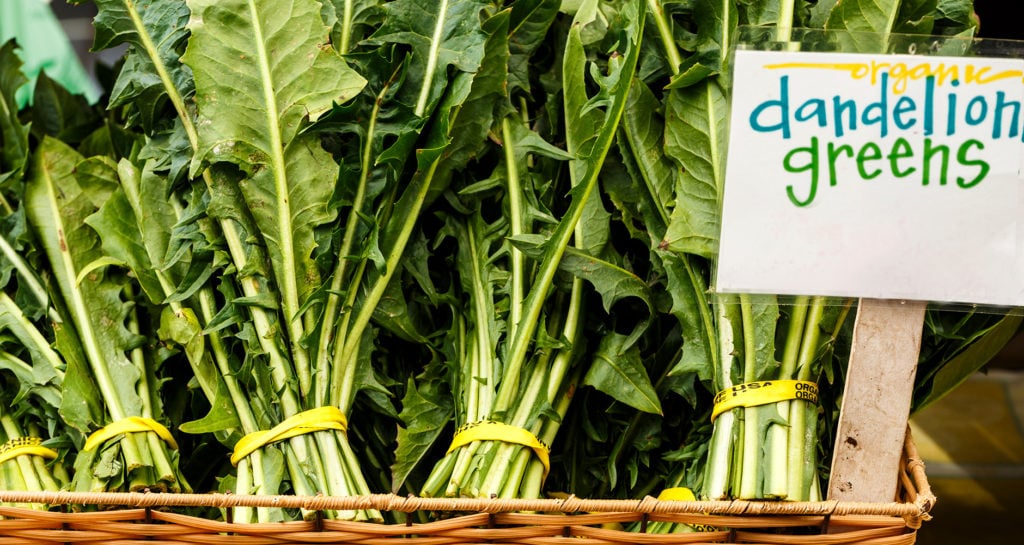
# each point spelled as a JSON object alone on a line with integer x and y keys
{"x": 570, "y": 521}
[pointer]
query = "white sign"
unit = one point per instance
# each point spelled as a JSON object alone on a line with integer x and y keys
{"x": 881, "y": 176}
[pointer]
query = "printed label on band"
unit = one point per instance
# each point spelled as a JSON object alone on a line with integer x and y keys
{"x": 32, "y": 446}
{"x": 765, "y": 392}
{"x": 313, "y": 420}
{"x": 488, "y": 430}
{"x": 132, "y": 424}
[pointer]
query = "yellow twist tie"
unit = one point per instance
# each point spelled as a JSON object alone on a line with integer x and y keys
{"x": 132, "y": 424}
{"x": 31, "y": 446}
{"x": 319, "y": 419}
{"x": 685, "y": 494}
{"x": 678, "y": 493}
{"x": 497, "y": 431}
{"x": 765, "y": 392}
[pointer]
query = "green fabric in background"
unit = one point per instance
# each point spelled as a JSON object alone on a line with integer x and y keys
{"x": 43, "y": 45}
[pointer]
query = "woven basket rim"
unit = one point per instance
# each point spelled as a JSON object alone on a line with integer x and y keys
{"x": 916, "y": 494}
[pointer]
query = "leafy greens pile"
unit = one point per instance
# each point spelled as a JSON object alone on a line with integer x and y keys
{"x": 315, "y": 240}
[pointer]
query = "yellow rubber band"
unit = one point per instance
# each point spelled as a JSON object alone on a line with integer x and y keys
{"x": 752, "y": 394}
{"x": 319, "y": 419}
{"x": 31, "y": 446}
{"x": 497, "y": 431}
{"x": 132, "y": 424}
{"x": 678, "y": 493}
{"x": 685, "y": 494}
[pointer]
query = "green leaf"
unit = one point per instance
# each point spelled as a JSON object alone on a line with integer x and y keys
{"x": 222, "y": 415}
{"x": 426, "y": 411}
{"x": 46, "y": 364}
{"x": 716, "y": 23}
{"x": 765, "y": 317}
{"x": 612, "y": 283}
{"x": 644, "y": 128}
{"x": 617, "y": 370}
{"x": 394, "y": 313}
{"x": 759, "y": 12}
{"x": 183, "y": 328}
{"x": 959, "y": 12}
{"x": 442, "y": 33}
{"x": 59, "y": 114}
{"x": 954, "y": 372}
{"x": 351, "y": 21}
{"x": 97, "y": 177}
{"x": 526, "y": 141}
{"x": 81, "y": 404}
{"x": 13, "y": 135}
{"x": 135, "y": 224}
{"x": 687, "y": 287}
{"x": 695, "y": 137}
{"x": 531, "y": 20}
{"x": 155, "y": 32}
{"x": 916, "y": 17}
{"x": 868, "y": 22}
{"x": 478, "y": 113}
{"x": 260, "y": 77}
{"x": 57, "y": 209}
{"x": 590, "y": 146}
{"x": 820, "y": 13}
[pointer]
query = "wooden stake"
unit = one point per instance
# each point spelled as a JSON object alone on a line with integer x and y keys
{"x": 876, "y": 401}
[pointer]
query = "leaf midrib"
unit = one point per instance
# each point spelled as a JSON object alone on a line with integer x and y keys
{"x": 289, "y": 288}
{"x": 78, "y": 306}
{"x": 435, "y": 47}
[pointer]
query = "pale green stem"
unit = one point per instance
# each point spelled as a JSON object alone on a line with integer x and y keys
{"x": 339, "y": 279}
{"x": 24, "y": 463}
{"x": 784, "y": 24}
{"x": 440, "y": 475}
{"x": 80, "y": 310}
{"x": 161, "y": 69}
{"x": 356, "y": 479}
{"x": 516, "y": 228}
{"x": 533, "y": 478}
{"x": 288, "y": 284}
{"x": 802, "y": 430}
{"x": 344, "y": 390}
{"x": 675, "y": 60}
{"x": 431, "y": 67}
{"x": 346, "y": 28}
{"x": 158, "y": 450}
{"x": 39, "y": 463}
{"x": 750, "y": 474}
{"x": 717, "y": 478}
{"x": 776, "y": 475}
{"x": 481, "y": 354}
{"x": 778, "y": 455}
{"x": 335, "y": 480}
{"x": 812, "y": 334}
{"x": 244, "y": 485}
{"x": 802, "y": 449}
{"x": 250, "y": 286}
{"x": 790, "y": 355}
{"x": 460, "y": 472}
{"x": 499, "y": 472}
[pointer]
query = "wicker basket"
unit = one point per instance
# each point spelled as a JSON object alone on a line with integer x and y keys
{"x": 150, "y": 517}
